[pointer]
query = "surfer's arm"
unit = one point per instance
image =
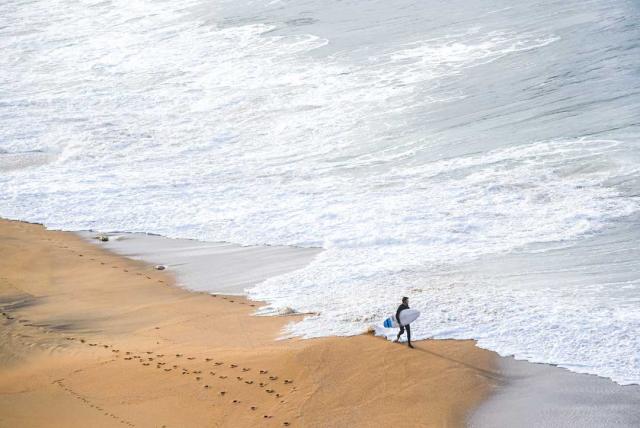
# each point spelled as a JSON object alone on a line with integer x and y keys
{"x": 400, "y": 308}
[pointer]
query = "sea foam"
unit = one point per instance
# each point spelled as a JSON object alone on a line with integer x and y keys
{"x": 420, "y": 162}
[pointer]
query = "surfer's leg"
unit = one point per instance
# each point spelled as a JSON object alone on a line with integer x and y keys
{"x": 400, "y": 333}
{"x": 409, "y": 335}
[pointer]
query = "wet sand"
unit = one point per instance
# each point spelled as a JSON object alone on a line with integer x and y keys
{"x": 218, "y": 267}
{"x": 545, "y": 396}
{"x": 91, "y": 338}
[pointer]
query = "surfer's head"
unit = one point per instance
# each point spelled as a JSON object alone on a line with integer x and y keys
{"x": 405, "y": 300}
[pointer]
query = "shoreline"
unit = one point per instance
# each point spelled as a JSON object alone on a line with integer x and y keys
{"x": 93, "y": 338}
{"x": 211, "y": 267}
{"x": 511, "y": 392}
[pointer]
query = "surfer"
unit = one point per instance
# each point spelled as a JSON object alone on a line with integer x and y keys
{"x": 402, "y": 307}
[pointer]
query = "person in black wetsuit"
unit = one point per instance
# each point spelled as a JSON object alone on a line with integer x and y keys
{"x": 402, "y": 307}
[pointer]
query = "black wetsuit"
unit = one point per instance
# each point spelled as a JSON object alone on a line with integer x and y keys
{"x": 401, "y": 308}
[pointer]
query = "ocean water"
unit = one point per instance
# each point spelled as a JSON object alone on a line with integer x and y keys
{"x": 481, "y": 158}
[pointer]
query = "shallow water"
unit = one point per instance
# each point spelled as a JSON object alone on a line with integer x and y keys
{"x": 480, "y": 158}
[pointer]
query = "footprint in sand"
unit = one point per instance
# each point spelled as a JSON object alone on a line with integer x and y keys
{"x": 222, "y": 377}
{"x": 218, "y": 363}
{"x": 273, "y": 377}
{"x": 236, "y": 401}
{"x": 244, "y": 369}
{"x": 253, "y": 407}
{"x": 248, "y": 382}
{"x": 233, "y": 366}
{"x": 191, "y": 358}
{"x": 264, "y": 371}
{"x": 212, "y": 373}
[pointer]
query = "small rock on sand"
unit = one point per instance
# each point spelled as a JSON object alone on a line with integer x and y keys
{"x": 160, "y": 267}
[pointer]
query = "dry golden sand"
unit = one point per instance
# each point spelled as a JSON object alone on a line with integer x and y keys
{"x": 91, "y": 339}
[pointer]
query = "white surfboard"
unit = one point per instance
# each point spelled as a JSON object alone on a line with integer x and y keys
{"x": 406, "y": 317}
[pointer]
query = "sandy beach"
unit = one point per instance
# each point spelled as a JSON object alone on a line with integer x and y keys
{"x": 90, "y": 338}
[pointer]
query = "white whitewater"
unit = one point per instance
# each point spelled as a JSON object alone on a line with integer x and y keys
{"x": 481, "y": 159}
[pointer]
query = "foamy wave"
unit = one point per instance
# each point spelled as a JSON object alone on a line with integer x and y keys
{"x": 475, "y": 205}
{"x": 162, "y": 121}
